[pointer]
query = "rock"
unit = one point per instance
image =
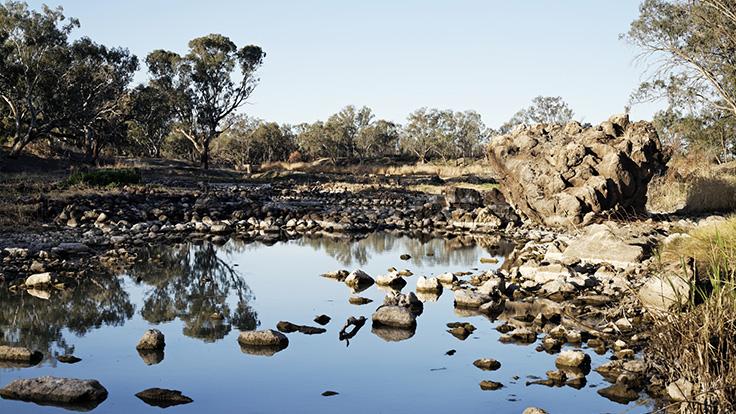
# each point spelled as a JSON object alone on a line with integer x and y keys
{"x": 447, "y": 278}
{"x": 534, "y": 410}
{"x": 68, "y": 359}
{"x": 337, "y": 274}
{"x": 322, "y": 319}
{"x": 163, "y": 398}
{"x": 572, "y": 359}
{"x": 490, "y": 385}
{"x": 359, "y": 278}
{"x": 405, "y": 257}
{"x": 619, "y": 393}
{"x": 461, "y": 197}
{"x": 664, "y": 292}
{"x": 680, "y": 390}
{"x": 359, "y": 300}
{"x": 73, "y": 247}
{"x": 599, "y": 244}
{"x": 487, "y": 364}
{"x": 521, "y": 335}
{"x": 20, "y": 355}
{"x": 391, "y": 279}
{"x": 66, "y": 392}
{"x": 329, "y": 393}
{"x": 428, "y": 284}
{"x": 39, "y": 279}
{"x": 556, "y": 175}
{"x": 470, "y": 299}
{"x": 151, "y": 340}
{"x": 395, "y": 316}
{"x": 266, "y": 337}
{"x": 288, "y": 327}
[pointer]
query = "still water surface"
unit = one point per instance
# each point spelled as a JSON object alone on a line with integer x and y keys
{"x": 177, "y": 289}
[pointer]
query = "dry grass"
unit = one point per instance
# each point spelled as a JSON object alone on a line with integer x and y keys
{"x": 437, "y": 189}
{"x": 699, "y": 344}
{"x": 326, "y": 166}
{"x": 694, "y": 185}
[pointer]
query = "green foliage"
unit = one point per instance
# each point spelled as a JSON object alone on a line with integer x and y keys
{"x": 200, "y": 87}
{"x": 105, "y": 177}
{"x": 445, "y": 134}
{"x": 710, "y": 132}
{"x": 543, "y": 110}
{"x": 351, "y": 133}
{"x": 254, "y": 142}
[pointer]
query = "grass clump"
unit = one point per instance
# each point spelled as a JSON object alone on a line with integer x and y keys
{"x": 106, "y": 177}
{"x": 699, "y": 344}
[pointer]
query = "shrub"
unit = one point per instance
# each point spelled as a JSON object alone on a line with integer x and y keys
{"x": 105, "y": 177}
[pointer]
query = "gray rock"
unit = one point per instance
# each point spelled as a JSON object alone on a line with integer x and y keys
{"x": 266, "y": 337}
{"x": 359, "y": 278}
{"x": 67, "y": 392}
{"x": 534, "y": 410}
{"x": 599, "y": 244}
{"x": 153, "y": 339}
{"x": 487, "y": 364}
{"x": 395, "y": 316}
{"x": 428, "y": 284}
{"x": 470, "y": 299}
{"x": 664, "y": 292}
{"x": 680, "y": 390}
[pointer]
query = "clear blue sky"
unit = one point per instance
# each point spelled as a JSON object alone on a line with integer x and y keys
{"x": 398, "y": 55}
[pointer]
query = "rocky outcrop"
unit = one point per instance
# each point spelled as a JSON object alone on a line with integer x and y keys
{"x": 66, "y": 392}
{"x": 562, "y": 176}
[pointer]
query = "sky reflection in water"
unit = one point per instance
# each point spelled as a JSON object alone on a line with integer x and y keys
{"x": 177, "y": 290}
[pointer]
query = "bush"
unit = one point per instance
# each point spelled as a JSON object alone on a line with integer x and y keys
{"x": 699, "y": 344}
{"x": 105, "y": 177}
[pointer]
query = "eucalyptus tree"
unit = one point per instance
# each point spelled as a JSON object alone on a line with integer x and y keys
{"x": 34, "y": 68}
{"x": 97, "y": 92}
{"x": 151, "y": 119}
{"x": 203, "y": 87}
{"x": 543, "y": 110}
{"x": 445, "y": 134}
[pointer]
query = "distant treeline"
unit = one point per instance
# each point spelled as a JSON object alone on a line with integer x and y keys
{"x": 77, "y": 97}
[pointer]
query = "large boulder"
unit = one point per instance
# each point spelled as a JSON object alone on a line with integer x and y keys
{"x": 66, "y": 392}
{"x": 562, "y": 175}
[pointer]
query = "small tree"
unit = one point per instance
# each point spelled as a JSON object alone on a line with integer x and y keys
{"x": 446, "y": 134}
{"x": 200, "y": 85}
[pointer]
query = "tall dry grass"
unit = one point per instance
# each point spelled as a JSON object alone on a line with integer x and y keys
{"x": 699, "y": 343}
{"x": 326, "y": 166}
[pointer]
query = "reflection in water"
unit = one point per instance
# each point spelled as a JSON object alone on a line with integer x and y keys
{"x": 33, "y": 322}
{"x": 193, "y": 284}
{"x": 458, "y": 251}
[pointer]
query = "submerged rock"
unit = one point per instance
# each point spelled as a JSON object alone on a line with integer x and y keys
{"x": 359, "y": 300}
{"x": 288, "y": 327}
{"x": 160, "y": 397}
{"x": 68, "y": 359}
{"x": 322, "y": 319}
{"x": 152, "y": 339}
{"x": 151, "y": 356}
{"x": 66, "y": 392}
{"x": 391, "y": 333}
{"x": 619, "y": 393}
{"x": 490, "y": 385}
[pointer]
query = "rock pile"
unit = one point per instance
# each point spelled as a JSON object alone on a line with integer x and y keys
{"x": 562, "y": 176}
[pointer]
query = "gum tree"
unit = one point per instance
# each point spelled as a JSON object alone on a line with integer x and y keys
{"x": 203, "y": 86}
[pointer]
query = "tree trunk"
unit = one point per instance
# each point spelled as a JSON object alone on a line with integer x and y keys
{"x": 205, "y": 157}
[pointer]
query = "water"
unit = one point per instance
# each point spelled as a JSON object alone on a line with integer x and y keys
{"x": 254, "y": 285}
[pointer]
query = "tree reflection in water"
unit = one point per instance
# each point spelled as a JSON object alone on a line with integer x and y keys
{"x": 194, "y": 284}
{"x": 39, "y": 324}
{"x": 458, "y": 251}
